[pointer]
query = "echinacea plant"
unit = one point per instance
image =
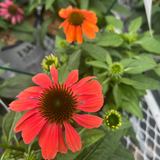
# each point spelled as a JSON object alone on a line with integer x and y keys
{"x": 62, "y": 117}
{"x": 13, "y": 19}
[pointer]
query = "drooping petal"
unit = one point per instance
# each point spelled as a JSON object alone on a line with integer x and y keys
{"x": 90, "y": 16}
{"x": 35, "y": 89}
{"x": 54, "y": 75}
{"x": 23, "y": 104}
{"x": 82, "y": 81}
{"x": 8, "y": 16}
{"x": 32, "y": 118}
{"x": 14, "y": 20}
{"x": 19, "y": 18}
{"x": 50, "y": 142}
{"x": 72, "y": 78}
{"x": 79, "y": 34}
{"x": 88, "y": 121}
{"x": 20, "y": 11}
{"x": 61, "y": 143}
{"x": 91, "y": 105}
{"x": 23, "y": 118}
{"x": 71, "y": 33}
{"x": 72, "y": 138}
{"x": 3, "y": 12}
{"x": 26, "y": 94}
{"x": 88, "y": 31}
{"x": 3, "y": 5}
{"x": 66, "y": 27}
{"x": 31, "y": 131}
{"x": 8, "y": 2}
{"x": 63, "y": 24}
{"x": 91, "y": 25}
{"x": 42, "y": 133}
{"x": 92, "y": 87}
{"x": 42, "y": 80}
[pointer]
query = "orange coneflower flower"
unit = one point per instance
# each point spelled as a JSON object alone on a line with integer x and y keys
{"x": 52, "y": 107}
{"x": 76, "y": 20}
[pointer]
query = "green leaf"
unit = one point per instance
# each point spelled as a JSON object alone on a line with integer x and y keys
{"x": 90, "y": 136}
{"x": 84, "y": 4}
{"x": 120, "y": 9}
{"x": 74, "y": 60}
{"x": 108, "y": 59}
{"x": 135, "y": 25}
{"x": 125, "y": 123}
{"x": 98, "y": 64}
{"x": 24, "y": 26}
{"x": 130, "y": 102}
{"x": 118, "y": 24}
{"x": 140, "y": 64}
{"x": 1, "y": 45}
{"x": 110, "y": 39}
{"x": 22, "y": 36}
{"x": 63, "y": 3}
{"x": 117, "y": 93}
{"x": 121, "y": 153}
{"x": 63, "y": 72}
{"x": 48, "y": 4}
{"x": 142, "y": 82}
{"x": 4, "y": 24}
{"x": 103, "y": 149}
{"x": 9, "y": 123}
{"x": 157, "y": 70}
{"x": 150, "y": 44}
{"x": 44, "y": 29}
{"x": 94, "y": 51}
{"x": 11, "y": 87}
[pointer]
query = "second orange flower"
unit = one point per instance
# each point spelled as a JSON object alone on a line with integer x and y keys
{"x": 76, "y": 21}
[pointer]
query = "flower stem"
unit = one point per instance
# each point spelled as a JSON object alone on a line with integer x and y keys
{"x": 106, "y": 80}
{"x": 111, "y": 6}
{"x": 17, "y": 71}
{"x": 16, "y": 140}
{"x": 4, "y": 154}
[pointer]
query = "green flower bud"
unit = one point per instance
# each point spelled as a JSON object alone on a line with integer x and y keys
{"x": 112, "y": 120}
{"x": 63, "y": 43}
{"x": 48, "y": 61}
{"x": 116, "y": 70}
{"x": 129, "y": 37}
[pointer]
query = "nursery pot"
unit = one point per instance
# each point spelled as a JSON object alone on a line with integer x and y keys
{"x": 23, "y": 54}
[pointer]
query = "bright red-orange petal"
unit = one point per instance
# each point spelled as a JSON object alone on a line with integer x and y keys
{"x": 88, "y": 121}
{"x": 91, "y": 25}
{"x": 61, "y": 143}
{"x": 63, "y": 24}
{"x": 24, "y": 117}
{"x": 42, "y": 80}
{"x": 72, "y": 78}
{"x": 63, "y": 13}
{"x": 66, "y": 27}
{"x": 90, "y": 16}
{"x": 23, "y": 104}
{"x": 91, "y": 105}
{"x": 87, "y": 88}
{"x": 42, "y": 133}
{"x": 82, "y": 81}
{"x": 31, "y": 131}
{"x": 72, "y": 138}
{"x": 70, "y": 35}
{"x": 32, "y": 118}
{"x": 79, "y": 34}
{"x": 35, "y": 89}
{"x": 50, "y": 142}
{"x": 26, "y": 94}
{"x": 88, "y": 31}
{"x": 54, "y": 75}
{"x": 86, "y": 97}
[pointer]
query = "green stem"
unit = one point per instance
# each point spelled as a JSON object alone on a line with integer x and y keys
{"x": 111, "y": 6}
{"x": 16, "y": 140}
{"x": 106, "y": 80}
{"x": 12, "y": 147}
{"x": 17, "y": 71}
{"x": 4, "y": 154}
{"x": 81, "y": 131}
